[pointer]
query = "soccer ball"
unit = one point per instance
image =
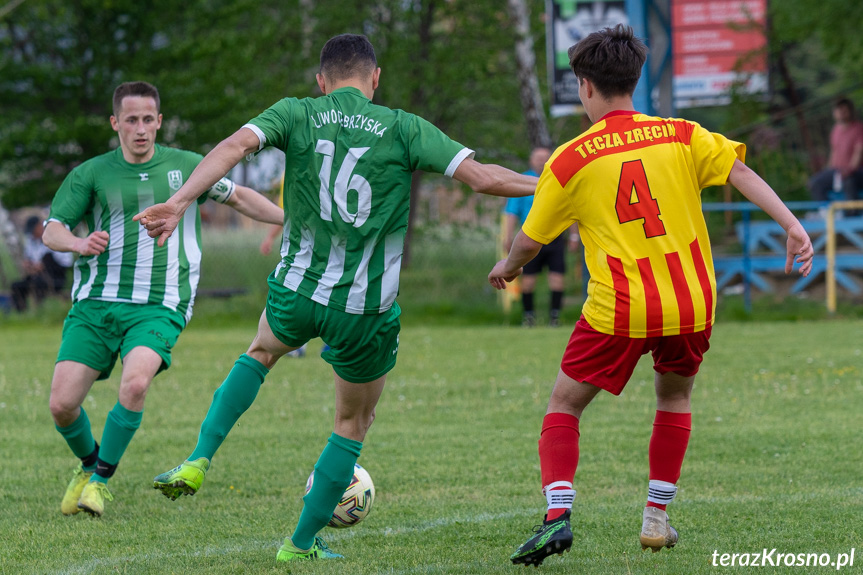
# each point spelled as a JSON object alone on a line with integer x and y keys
{"x": 356, "y": 502}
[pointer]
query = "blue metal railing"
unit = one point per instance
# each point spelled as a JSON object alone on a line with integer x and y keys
{"x": 746, "y": 209}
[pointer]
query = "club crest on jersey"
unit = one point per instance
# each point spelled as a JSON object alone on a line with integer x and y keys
{"x": 175, "y": 179}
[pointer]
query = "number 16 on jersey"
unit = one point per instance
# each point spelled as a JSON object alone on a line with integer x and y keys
{"x": 346, "y": 181}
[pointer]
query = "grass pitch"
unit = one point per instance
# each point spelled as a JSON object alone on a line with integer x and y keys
{"x": 774, "y": 460}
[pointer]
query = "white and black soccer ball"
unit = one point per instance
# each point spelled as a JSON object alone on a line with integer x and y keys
{"x": 356, "y": 502}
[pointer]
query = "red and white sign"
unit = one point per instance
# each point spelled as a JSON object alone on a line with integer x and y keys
{"x": 717, "y": 44}
{"x": 688, "y": 13}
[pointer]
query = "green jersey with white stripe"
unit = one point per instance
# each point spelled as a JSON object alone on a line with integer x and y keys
{"x": 105, "y": 192}
{"x": 348, "y": 166}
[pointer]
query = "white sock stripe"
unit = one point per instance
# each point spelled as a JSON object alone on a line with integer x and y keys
{"x": 661, "y": 492}
{"x": 557, "y": 484}
{"x": 560, "y": 498}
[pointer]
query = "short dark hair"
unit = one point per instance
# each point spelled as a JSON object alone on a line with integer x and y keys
{"x": 845, "y": 103}
{"x": 31, "y": 224}
{"x": 143, "y": 89}
{"x": 348, "y": 56}
{"x": 611, "y": 59}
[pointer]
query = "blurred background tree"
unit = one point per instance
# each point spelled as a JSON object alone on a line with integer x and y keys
{"x": 218, "y": 63}
{"x": 62, "y": 59}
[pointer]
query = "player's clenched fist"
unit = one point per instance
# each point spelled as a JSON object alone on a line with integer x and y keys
{"x": 93, "y": 245}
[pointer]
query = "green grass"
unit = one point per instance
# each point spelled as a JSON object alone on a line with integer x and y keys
{"x": 774, "y": 459}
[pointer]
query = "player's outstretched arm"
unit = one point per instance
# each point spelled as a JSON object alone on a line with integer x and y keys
{"x": 523, "y": 250}
{"x": 494, "y": 180}
{"x": 756, "y": 190}
{"x": 256, "y": 206}
{"x": 58, "y": 238}
{"x": 161, "y": 219}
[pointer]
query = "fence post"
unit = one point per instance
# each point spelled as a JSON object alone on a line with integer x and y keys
{"x": 747, "y": 265}
{"x": 830, "y": 272}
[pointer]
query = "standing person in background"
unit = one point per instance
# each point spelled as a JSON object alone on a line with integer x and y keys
{"x": 129, "y": 299}
{"x": 275, "y": 232}
{"x": 45, "y": 270}
{"x": 348, "y": 166}
{"x": 633, "y": 183}
{"x": 845, "y": 167}
{"x": 551, "y": 256}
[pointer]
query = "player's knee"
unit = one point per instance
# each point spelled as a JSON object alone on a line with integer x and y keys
{"x": 62, "y": 410}
{"x": 135, "y": 388}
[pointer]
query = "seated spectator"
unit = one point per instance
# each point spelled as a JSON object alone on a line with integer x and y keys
{"x": 44, "y": 270}
{"x": 845, "y": 170}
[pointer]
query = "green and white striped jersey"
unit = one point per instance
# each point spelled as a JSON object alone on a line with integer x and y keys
{"x": 348, "y": 166}
{"x": 105, "y": 192}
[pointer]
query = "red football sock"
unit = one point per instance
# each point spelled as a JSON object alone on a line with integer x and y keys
{"x": 668, "y": 447}
{"x": 558, "y": 452}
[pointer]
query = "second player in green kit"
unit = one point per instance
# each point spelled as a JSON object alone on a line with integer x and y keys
{"x": 130, "y": 300}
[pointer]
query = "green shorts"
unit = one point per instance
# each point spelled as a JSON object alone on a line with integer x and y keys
{"x": 96, "y": 332}
{"x": 362, "y": 347}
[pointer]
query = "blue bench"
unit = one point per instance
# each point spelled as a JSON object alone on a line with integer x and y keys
{"x": 764, "y": 242}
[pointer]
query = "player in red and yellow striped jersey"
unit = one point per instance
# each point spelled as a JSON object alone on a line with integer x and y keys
{"x": 633, "y": 183}
{"x": 644, "y": 234}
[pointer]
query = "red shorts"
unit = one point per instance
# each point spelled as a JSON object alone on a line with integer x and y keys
{"x": 607, "y": 361}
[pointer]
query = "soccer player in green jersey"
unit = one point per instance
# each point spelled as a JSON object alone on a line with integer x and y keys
{"x": 130, "y": 299}
{"x": 347, "y": 191}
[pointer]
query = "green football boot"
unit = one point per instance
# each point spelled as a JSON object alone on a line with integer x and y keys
{"x": 551, "y": 537}
{"x": 93, "y": 498}
{"x": 289, "y": 552}
{"x": 80, "y": 478}
{"x": 185, "y": 479}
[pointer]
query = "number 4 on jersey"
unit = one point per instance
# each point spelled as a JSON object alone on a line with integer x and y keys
{"x": 633, "y": 182}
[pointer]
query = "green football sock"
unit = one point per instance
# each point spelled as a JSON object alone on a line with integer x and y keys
{"x": 230, "y": 401}
{"x": 79, "y": 436}
{"x": 333, "y": 473}
{"x": 120, "y": 427}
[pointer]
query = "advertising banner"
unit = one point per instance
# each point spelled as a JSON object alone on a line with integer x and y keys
{"x": 717, "y": 45}
{"x": 568, "y": 21}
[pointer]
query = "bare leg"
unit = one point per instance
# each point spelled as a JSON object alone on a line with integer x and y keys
{"x": 139, "y": 368}
{"x": 673, "y": 392}
{"x": 266, "y": 347}
{"x": 355, "y": 406}
{"x": 570, "y": 396}
{"x": 69, "y": 386}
